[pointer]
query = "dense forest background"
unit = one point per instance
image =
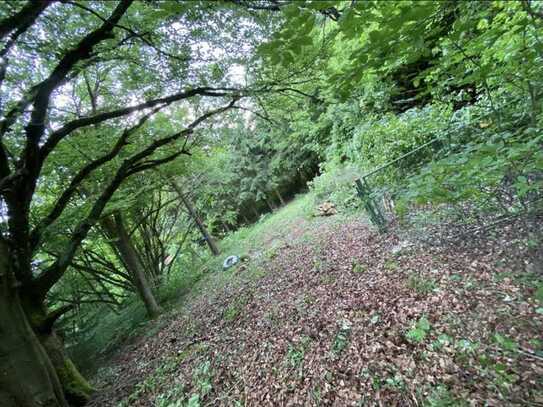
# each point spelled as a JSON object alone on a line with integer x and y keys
{"x": 136, "y": 134}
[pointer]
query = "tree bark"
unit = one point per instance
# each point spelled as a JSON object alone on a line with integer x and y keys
{"x": 194, "y": 215}
{"x": 245, "y": 219}
{"x": 268, "y": 202}
{"x": 121, "y": 240}
{"x": 280, "y": 197}
{"x": 27, "y": 376}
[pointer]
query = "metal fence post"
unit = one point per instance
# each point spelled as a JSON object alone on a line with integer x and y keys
{"x": 372, "y": 208}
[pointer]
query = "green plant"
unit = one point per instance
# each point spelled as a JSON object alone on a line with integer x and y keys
{"x": 316, "y": 395}
{"x": 359, "y": 268}
{"x": 421, "y": 284}
{"x": 440, "y": 396}
{"x": 395, "y": 382}
{"x": 418, "y": 332}
{"x": 295, "y": 355}
{"x": 235, "y": 307}
{"x": 538, "y": 294}
{"x": 466, "y": 346}
{"x": 341, "y": 340}
{"x": 391, "y": 265}
{"x": 194, "y": 401}
{"x": 201, "y": 376}
{"x": 172, "y": 398}
{"x": 441, "y": 341}
{"x": 296, "y": 352}
{"x": 505, "y": 343}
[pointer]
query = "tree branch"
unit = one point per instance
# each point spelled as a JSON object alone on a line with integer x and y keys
{"x": 55, "y": 137}
{"x": 270, "y": 5}
{"x": 25, "y": 17}
{"x": 68, "y": 193}
{"x": 51, "y": 275}
{"x": 131, "y": 32}
{"x": 53, "y": 316}
{"x": 36, "y": 126}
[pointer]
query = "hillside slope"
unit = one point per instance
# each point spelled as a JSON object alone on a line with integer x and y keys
{"x": 328, "y": 312}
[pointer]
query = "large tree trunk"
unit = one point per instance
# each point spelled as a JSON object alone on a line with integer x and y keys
{"x": 194, "y": 215}
{"x": 121, "y": 240}
{"x": 27, "y": 376}
{"x": 76, "y": 389}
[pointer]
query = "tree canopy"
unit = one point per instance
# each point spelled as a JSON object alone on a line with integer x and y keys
{"x": 133, "y": 133}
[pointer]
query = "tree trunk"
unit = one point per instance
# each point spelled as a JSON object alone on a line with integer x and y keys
{"x": 194, "y": 215}
{"x": 245, "y": 219}
{"x": 280, "y": 197}
{"x": 255, "y": 212}
{"x": 75, "y": 387}
{"x": 27, "y": 376}
{"x": 122, "y": 242}
{"x": 226, "y": 227}
{"x": 268, "y": 202}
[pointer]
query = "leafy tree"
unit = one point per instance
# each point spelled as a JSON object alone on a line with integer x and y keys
{"x": 50, "y": 148}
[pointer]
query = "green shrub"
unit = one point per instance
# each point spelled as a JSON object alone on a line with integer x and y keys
{"x": 337, "y": 185}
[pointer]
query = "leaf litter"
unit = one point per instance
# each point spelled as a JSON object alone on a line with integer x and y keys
{"x": 348, "y": 320}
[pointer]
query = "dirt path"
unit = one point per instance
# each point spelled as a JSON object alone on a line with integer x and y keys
{"x": 344, "y": 318}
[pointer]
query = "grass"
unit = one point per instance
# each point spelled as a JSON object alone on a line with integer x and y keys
{"x": 270, "y": 227}
{"x": 358, "y": 268}
{"x": 157, "y": 378}
{"x": 342, "y": 337}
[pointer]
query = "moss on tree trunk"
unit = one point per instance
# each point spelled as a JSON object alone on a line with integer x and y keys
{"x": 27, "y": 376}
{"x": 76, "y": 389}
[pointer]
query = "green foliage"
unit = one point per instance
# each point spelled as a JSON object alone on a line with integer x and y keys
{"x": 505, "y": 343}
{"x": 422, "y": 285}
{"x": 235, "y": 308}
{"x": 441, "y": 341}
{"x": 359, "y": 269}
{"x": 202, "y": 377}
{"x": 538, "y": 295}
{"x": 440, "y": 396}
{"x": 337, "y": 186}
{"x": 296, "y": 352}
{"x": 418, "y": 332}
{"x": 106, "y": 330}
{"x": 338, "y": 88}
{"x": 398, "y": 74}
{"x": 341, "y": 340}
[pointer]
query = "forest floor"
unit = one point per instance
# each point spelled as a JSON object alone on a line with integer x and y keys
{"x": 328, "y": 312}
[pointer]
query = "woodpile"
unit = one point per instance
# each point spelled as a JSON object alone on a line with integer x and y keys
{"x": 326, "y": 209}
